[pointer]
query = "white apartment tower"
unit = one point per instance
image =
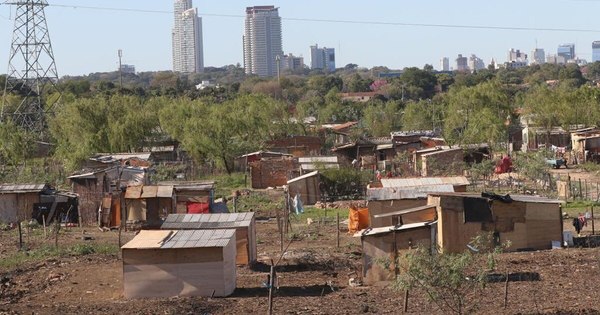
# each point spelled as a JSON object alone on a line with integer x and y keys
{"x": 188, "y": 50}
{"x": 445, "y": 64}
{"x": 262, "y": 40}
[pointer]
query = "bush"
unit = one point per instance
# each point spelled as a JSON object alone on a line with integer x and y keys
{"x": 344, "y": 183}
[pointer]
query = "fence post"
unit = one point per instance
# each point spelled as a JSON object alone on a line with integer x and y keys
{"x": 337, "y": 219}
{"x": 580, "y": 191}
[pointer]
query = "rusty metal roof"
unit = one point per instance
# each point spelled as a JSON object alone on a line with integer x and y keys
{"x": 22, "y": 189}
{"x": 417, "y": 192}
{"x": 208, "y": 220}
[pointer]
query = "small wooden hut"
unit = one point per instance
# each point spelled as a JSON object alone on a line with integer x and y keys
{"x": 382, "y": 247}
{"x": 308, "y": 187}
{"x": 243, "y": 223}
{"x": 166, "y": 263}
{"x": 528, "y": 222}
{"x": 149, "y": 204}
{"x": 396, "y": 194}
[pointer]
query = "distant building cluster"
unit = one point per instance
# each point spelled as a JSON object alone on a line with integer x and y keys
{"x": 565, "y": 54}
{"x": 264, "y": 55}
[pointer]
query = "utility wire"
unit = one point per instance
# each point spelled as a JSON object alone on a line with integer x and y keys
{"x": 459, "y": 26}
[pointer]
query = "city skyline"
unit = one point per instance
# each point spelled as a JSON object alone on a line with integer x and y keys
{"x": 395, "y": 35}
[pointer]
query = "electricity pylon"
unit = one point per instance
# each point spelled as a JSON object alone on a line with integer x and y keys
{"x": 31, "y": 69}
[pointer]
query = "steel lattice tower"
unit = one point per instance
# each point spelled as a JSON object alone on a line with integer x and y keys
{"x": 31, "y": 68}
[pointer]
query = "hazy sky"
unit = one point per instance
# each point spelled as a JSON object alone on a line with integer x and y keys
{"x": 86, "y": 40}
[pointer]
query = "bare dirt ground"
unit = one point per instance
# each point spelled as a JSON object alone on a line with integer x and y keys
{"x": 313, "y": 279}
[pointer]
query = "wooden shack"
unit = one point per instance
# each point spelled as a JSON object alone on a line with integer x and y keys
{"x": 243, "y": 223}
{"x": 382, "y": 247}
{"x": 149, "y": 204}
{"x": 165, "y": 263}
{"x": 397, "y": 194}
{"x": 308, "y": 187}
{"x": 192, "y": 197}
{"x": 17, "y": 201}
{"x": 528, "y": 222}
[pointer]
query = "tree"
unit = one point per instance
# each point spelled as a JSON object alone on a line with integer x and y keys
{"x": 476, "y": 114}
{"x": 380, "y": 118}
{"x": 16, "y": 144}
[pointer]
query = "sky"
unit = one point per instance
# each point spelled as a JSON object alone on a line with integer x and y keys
{"x": 375, "y": 33}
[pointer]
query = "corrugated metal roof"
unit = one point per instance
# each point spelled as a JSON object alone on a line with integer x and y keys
{"x": 208, "y": 221}
{"x": 168, "y": 239}
{"x": 20, "y": 189}
{"x": 423, "y": 181}
{"x": 200, "y": 238}
{"x": 390, "y": 193}
{"x": 388, "y": 229}
{"x": 520, "y": 198}
{"x": 318, "y": 159}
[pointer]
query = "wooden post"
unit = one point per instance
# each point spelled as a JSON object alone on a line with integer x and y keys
{"x": 44, "y": 224}
{"x": 405, "y": 301}
{"x": 280, "y": 229}
{"x": 580, "y": 191}
{"x": 271, "y": 276}
{"x": 593, "y": 230}
{"x": 337, "y": 227}
{"x": 586, "y": 189}
{"x": 20, "y": 236}
{"x": 57, "y": 228}
{"x": 506, "y": 291}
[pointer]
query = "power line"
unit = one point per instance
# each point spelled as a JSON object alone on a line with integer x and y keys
{"x": 457, "y": 26}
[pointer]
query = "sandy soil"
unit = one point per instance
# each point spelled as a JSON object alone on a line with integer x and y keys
{"x": 313, "y": 279}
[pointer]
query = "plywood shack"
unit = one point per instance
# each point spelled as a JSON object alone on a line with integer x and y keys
{"x": 17, "y": 201}
{"x": 397, "y": 194}
{"x": 192, "y": 195}
{"x": 308, "y": 187}
{"x": 148, "y": 204}
{"x": 167, "y": 263}
{"x": 528, "y": 222}
{"x": 243, "y": 223}
{"x": 382, "y": 246}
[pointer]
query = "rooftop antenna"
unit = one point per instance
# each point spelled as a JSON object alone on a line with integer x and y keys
{"x": 31, "y": 69}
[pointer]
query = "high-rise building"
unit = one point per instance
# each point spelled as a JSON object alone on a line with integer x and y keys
{"x": 539, "y": 56}
{"x": 322, "y": 58}
{"x": 475, "y": 63}
{"x": 596, "y": 51}
{"x": 188, "y": 50}
{"x": 516, "y": 56}
{"x": 461, "y": 63}
{"x": 445, "y": 64}
{"x": 556, "y": 59}
{"x": 567, "y": 51}
{"x": 262, "y": 40}
{"x": 291, "y": 62}
{"x": 127, "y": 69}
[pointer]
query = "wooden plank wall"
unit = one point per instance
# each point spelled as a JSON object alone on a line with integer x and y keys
{"x": 8, "y": 208}
{"x": 380, "y": 248}
{"x": 179, "y": 272}
{"x": 386, "y": 206}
